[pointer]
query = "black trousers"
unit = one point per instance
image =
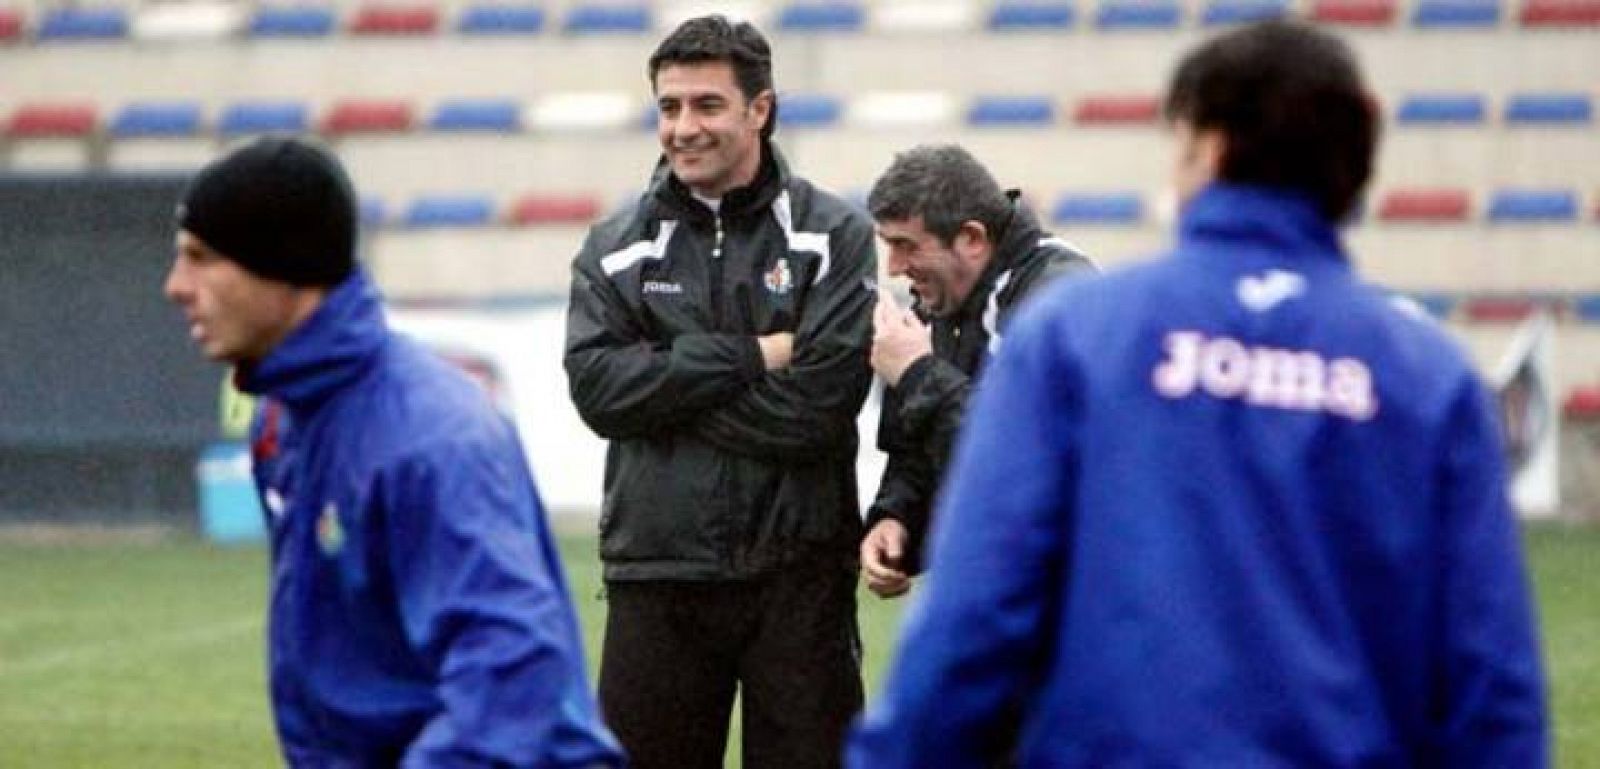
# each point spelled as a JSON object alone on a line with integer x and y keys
{"x": 676, "y": 652}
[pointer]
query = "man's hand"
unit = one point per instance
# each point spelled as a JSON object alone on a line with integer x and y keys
{"x": 899, "y": 339}
{"x": 882, "y": 551}
{"x": 776, "y": 349}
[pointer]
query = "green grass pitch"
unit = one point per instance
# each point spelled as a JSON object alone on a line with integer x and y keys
{"x": 150, "y": 654}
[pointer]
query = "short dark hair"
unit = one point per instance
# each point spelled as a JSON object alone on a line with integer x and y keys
{"x": 946, "y": 186}
{"x": 714, "y": 38}
{"x": 1291, "y": 102}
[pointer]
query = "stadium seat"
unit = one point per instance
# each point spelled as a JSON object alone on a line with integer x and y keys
{"x": 496, "y": 19}
{"x": 395, "y": 20}
{"x": 38, "y": 121}
{"x": 1439, "y": 305}
{"x": 83, "y": 24}
{"x": 1587, "y": 308}
{"x": 923, "y": 16}
{"x": 264, "y": 117}
{"x": 1442, "y": 109}
{"x": 1515, "y": 206}
{"x": 1441, "y": 205}
{"x": 809, "y": 110}
{"x": 1356, "y": 13}
{"x": 1108, "y": 208}
{"x": 1031, "y": 15}
{"x": 1138, "y": 14}
{"x": 1455, "y": 14}
{"x": 582, "y": 111}
{"x": 365, "y": 116}
{"x": 434, "y": 211}
{"x": 193, "y": 20}
{"x": 537, "y": 209}
{"x": 1549, "y": 109}
{"x": 897, "y": 109}
{"x": 1004, "y": 111}
{"x": 1499, "y": 309}
{"x": 292, "y": 21}
{"x": 373, "y": 212}
{"x": 827, "y": 16}
{"x": 10, "y": 25}
{"x": 1218, "y": 12}
{"x": 607, "y": 19}
{"x": 1561, "y": 13}
{"x": 150, "y": 119}
{"x": 1117, "y": 110}
{"x": 502, "y": 115}
{"x": 1582, "y": 404}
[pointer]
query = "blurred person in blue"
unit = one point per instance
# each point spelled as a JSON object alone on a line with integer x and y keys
{"x": 419, "y": 616}
{"x": 717, "y": 337}
{"x": 971, "y": 253}
{"x": 1233, "y": 507}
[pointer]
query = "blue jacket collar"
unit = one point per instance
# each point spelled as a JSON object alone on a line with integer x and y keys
{"x": 327, "y": 352}
{"x": 1284, "y": 220}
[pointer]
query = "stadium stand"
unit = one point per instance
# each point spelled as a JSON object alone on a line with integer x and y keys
{"x": 1425, "y": 206}
{"x": 395, "y": 20}
{"x": 459, "y": 210}
{"x": 812, "y": 17}
{"x": 1561, "y": 13}
{"x": 1138, "y": 15}
{"x": 495, "y": 115}
{"x": 81, "y": 24}
{"x": 1031, "y": 16}
{"x": 607, "y": 19}
{"x": 1219, "y": 12}
{"x": 264, "y": 117}
{"x": 501, "y": 20}
{"x": 141, "y": 119}
{"x": 1455, "y": 14}
{"x": 292, "y": 21}
{"x": 10, "y": 25}
{"x": 34, "y": 121}
{"x": 1465, "y": 109}
{"x": 998, "y": 111}
{"x": 367, "y": 116}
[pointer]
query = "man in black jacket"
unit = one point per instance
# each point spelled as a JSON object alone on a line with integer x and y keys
{"x": 971, "y": 252}
{"x": 717, "y": 335}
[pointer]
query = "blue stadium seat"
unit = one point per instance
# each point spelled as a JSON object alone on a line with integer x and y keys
{"x": 1218, "y": 12}
{"x": 1115, "y": 208}
{"x": 501, "y": 20}
{"x": 292, "y": 21}
{"x": 84, "y": 24}
{"x": 821, "y": 17}
{"x": 1587, "y": 308}
{"x": 1011, "y": 111}
{"x": 602, "y": 19}
{"x": 264, "y": 117}
{"x": 157, "y": 119}
{"x": 1138, "y": 14}
{"x": 1444, "y": 108}
{"x": 450, "y": 211}
{"x": 373, "y": 212}
{"x": 808, "y": 110}
{"x": 1455, "y": 14}
{"x": 1533, "y": 206}
{"x": 1439, "y": 305}
{"x": 502, "y": 115}
{"x": 1549, "y": 109}
{"x": 1031, "y": 15}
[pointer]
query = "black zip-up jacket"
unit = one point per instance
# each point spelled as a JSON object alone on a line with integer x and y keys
{"x": 717, "y": 468}
{"x": 922, "y": 414}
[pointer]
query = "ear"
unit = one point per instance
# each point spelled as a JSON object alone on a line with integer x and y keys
{"x": 1211, "y": 148}
{"x": 761, "y": 108}
{"x": 971, "y": 242}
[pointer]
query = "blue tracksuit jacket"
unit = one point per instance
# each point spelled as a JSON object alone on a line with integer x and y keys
{"x": 1232, "y": 508}
{"x": 419, "y": 615}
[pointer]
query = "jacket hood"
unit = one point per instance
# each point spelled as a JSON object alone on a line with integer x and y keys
{"x": 327, "y": 352}
{"x": 771, "y": 179}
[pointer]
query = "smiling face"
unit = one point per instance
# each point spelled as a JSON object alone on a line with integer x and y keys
{"x": 710, "y": 133}
{"x": 941, "y": 275}
{"x": 233, "y": 315}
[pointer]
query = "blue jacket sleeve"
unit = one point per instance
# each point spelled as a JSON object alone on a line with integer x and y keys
{"x": 484, "y": 603}
{"x": 1493, "y": 708}
{"x": 986, "y": 613}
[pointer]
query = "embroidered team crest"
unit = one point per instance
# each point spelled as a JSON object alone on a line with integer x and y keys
{"x": 778, "y": 279}
{"x": 330, "y": 534}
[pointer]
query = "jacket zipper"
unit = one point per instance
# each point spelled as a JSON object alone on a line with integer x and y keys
{"x": 716, "y": 276}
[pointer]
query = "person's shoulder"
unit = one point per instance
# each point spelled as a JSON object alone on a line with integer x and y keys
{"x": 619, "y": 229}
{"x": 816, "y": 209}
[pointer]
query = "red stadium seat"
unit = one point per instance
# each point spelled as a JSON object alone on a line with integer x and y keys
{"x": 1495, "y": 309}
{"x": 1440, "y": 205}
{"x": 1117, "y": 110}
{"x": 10, "y": 24}
{"x": 1583, "y": 403}
{"x": 48, "y": 120}
{"x": 395, "y": 20}
{"x": 1561, "y": 13}
{"x": 365, "y": 116}
{"x": 1360, "y": 13}
{"x": 554, "y": 209}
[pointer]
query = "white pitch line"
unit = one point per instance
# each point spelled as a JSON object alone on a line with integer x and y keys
{"x": 77, "y": 655}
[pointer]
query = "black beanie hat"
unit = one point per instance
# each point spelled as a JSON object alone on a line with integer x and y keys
{"x": 280, "y": 207}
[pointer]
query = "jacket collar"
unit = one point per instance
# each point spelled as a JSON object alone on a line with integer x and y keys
{"x": 674, "y": 196}
{"x": 324, "y": 354}
{"x": 1284, "y": 220}
{"x": 1017, "y": 237}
